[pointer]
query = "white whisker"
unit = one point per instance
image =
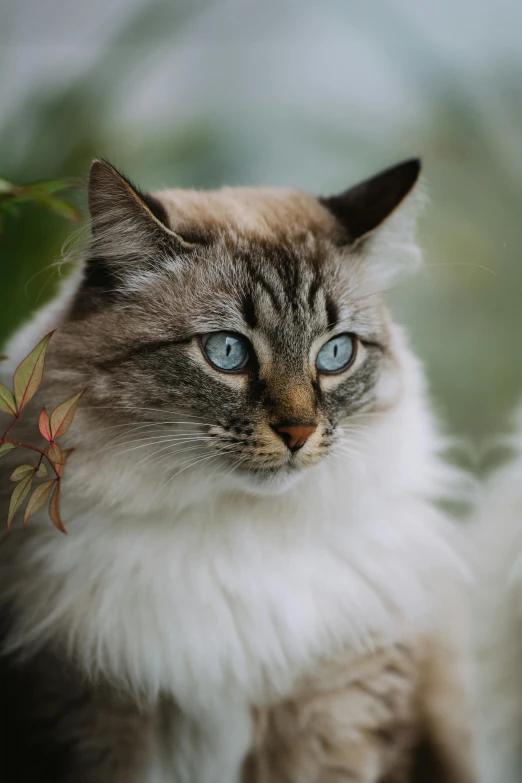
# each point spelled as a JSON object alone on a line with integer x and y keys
{"x": 157, "y": 437}
{"x": 149, "y": 424}
{"x": 165, "y": 439}
{"x": 191, "y": 464}
{"x": 171, "y": 451}
{"x": 127, "y": 409}
{"x": 150, "y": 458}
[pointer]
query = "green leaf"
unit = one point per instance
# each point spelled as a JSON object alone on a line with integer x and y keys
{"x": 18, "y": 496}
{"x": 11, "y": 206}
{"x": 22, "y": 471}
{"x": 44, "y": 425}
{"x": 54, "y": 509}
{"x": 63, "y": 208}
{"x": 5, "y": 448}
{"x": 62, "y": 416}
{"x": 42, "y": 470}
{"x": 51, "y": 185}
{"x": 7, "y": 400}
{"x": 29, "y": 373}
{"x": 40, "y": 495}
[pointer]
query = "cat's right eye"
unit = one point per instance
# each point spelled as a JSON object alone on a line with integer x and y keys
{"x": 336, "y": 355}
{"x": 227, "y": 351}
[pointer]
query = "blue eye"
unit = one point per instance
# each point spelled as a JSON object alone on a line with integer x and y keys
{"x": 336, "y": 355}
{"x": 226, "y": 351}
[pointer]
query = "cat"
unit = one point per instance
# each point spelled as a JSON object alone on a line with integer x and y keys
{"x": 497, "y": 619}
{"x": 257, "y": 583}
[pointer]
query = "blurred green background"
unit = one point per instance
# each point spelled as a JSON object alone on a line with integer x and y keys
{"x": 302, "y": 93}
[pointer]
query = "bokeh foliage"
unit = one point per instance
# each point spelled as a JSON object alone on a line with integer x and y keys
{"x": 463, "y": 310}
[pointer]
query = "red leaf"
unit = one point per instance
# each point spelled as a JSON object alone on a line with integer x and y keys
{"x": 5, "y": 448}
{"x": 43, "y": 425}
{"x": 7, "y": 400}
{"x": 29, "y": 373}
{"x": 54, "y": 453}
{"x": 54, "y": 509}
{"x": 60, "y": 467}
{"x": 38, "y": 498}
{"x": 62, "y": 416}
{"x": 22, "y": 471}
{"x": 18, "y": 496}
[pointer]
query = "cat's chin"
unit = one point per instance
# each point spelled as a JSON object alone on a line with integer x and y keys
{"x": 258, "y": 482}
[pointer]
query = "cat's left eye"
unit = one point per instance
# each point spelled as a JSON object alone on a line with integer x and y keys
{"x": 337, "y": 354}
{"x": 227, "y": 351}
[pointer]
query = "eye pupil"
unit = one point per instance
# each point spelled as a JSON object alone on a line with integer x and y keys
{"x": 226, "y": 350}
{"x": 336, "y": 355}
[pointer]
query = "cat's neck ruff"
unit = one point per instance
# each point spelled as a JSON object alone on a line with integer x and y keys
{"x": 239, "y": 593}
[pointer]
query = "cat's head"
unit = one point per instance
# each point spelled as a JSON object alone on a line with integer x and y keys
{"x": 235, "y": 332}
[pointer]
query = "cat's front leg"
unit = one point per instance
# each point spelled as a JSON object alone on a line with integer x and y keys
{"x": 354, "y": 721}
{"x": 357, "y": 764}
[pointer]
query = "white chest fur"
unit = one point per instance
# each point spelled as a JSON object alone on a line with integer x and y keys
{"x": 234, "y": 605}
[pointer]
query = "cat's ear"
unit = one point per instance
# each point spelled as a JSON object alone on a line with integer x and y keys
{"x": 113, "y": 197}
{"x": 377, "y": 221}
{"x": 364, "y": 207}
{"x": 129, "y": 229}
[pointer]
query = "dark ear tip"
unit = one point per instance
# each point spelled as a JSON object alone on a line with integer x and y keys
{"x": 365, "y": 206}
{"x": 413, "y": 166}
{"x": 104, "y": 179}
{"x": 100, "y": 166}
{"x": 97, "y": 164}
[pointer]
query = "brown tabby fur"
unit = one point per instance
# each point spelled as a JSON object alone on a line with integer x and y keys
{"x": 364, "y": 720}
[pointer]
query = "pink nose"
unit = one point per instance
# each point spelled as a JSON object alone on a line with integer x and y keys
{"x": 295, "y": 437}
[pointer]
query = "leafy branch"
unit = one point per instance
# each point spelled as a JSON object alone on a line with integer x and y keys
{"x": 43, "y": 192}
{"x": 26, "y": 382}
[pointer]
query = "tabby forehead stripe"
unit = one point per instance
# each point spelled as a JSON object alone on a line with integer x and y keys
{"x": 315, "y": 286}
{"x": 249, "y": 310}
{"x": 332, "y": 312}
{"x": 263, "y": 283}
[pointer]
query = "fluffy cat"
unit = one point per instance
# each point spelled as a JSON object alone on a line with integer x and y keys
{"x": 498, "y": 621}
{"x": 256, "y": 584}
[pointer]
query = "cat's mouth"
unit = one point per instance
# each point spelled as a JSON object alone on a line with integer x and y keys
{"x": 265, "y": 468}
{"x": 271, "y": 450}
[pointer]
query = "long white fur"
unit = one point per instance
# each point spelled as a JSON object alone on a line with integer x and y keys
{"x": 498, "y": 622}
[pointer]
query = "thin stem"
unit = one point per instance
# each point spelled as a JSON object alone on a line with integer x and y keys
{"x": 33, "y": 448}
{"x": 8, "y": 430}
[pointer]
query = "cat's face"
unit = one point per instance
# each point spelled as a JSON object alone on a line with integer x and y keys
{"x": 237, "y": 330}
